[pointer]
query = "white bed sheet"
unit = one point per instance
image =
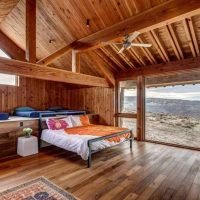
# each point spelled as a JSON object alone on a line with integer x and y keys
{"x": 75, "y": 143}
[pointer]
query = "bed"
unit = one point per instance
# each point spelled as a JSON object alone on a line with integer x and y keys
{"x": 85, "y": 140}
{"x": 67, "y": 111}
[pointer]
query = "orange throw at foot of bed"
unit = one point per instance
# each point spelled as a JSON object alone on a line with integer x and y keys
{"x": 98, "y": 130}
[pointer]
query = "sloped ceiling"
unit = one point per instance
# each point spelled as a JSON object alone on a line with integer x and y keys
{"x": 60, "y": 22}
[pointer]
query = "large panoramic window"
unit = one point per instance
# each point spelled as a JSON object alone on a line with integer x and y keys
{"x": 6, "y": 79}
{"x": 128, "y": 104}
{"x": 173, "y": 114}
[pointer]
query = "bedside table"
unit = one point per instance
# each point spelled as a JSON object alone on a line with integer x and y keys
{"x": 27, "y": 146}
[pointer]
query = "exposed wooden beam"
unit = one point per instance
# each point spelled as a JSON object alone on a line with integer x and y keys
{"x": 123, "y": 56}
{"x": 140, "y": 108}
{"x": 175, "y": 67}
{"x": 107, "y": 60}
{"x": 165, "y": 13}
{"x": 161, "y": 81}
{"x": 172, "y": 43}
{"x": 193, "y": 35}
{"x": 161, "y": 15}
{"x": 146, "y": 52}
{"x": 100, "y": 65}
{"x": 154, "y": 43}
{"x": 188, "y": 35}
{"x": 137, "y": 56}
{"x": 10, "y": 48}
{"x": 175, "y": 39}
{"x": 160, "y": 45}
{"x": 31, "y": 31}
{"x": 49, "y": 59}
{"x": 75, "y": 61}
{"x": 36, "y": 71}
{"x": 114, "y": 59}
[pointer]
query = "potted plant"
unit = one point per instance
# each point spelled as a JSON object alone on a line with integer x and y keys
{"x": 27, "y": 132}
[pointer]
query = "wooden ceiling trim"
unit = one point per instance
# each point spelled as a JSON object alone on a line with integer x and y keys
{"x": 160, "y": 45}
{"x": 172, "y": 43}
{"x": 123, "y": 56}
{"x": 189, "y": 37}
{"x": 36, "y": 71}
{"x": 193, "y": 35}
{"x": 100, "y": 65}
{"x": 10, "y": 48}
{"x": 175, "y": 39}
{"x": 147, "y": 52}
{"x": 170, "y": 68}
{"x": 31, "y": 31}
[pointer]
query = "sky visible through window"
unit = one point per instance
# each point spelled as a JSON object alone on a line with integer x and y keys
{"x": 183, "y": 92}
{"x": 6, "y": 79}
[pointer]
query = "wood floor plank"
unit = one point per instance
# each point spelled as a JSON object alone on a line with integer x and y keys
{"x": 149, "y": 172}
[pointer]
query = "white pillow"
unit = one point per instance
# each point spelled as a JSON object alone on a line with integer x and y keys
{"x": 76, "y": 120}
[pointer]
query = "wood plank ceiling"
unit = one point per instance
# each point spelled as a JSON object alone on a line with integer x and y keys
{"x": 62, "y": 22}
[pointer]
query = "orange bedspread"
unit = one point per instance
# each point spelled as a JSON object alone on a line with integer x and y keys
{"x": 98, "y": 130}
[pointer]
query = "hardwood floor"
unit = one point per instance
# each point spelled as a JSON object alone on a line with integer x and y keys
{"x": 151, "y": 171}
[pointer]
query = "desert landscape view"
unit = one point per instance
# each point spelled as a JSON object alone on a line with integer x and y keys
{"x": 173, "y": 121}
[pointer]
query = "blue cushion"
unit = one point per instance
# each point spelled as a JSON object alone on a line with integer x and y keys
{"x": 56, "y": 108}
{"x": 24, "y": 109}
{"x": 4, "y": 116}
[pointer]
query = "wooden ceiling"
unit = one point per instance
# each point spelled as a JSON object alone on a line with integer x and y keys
{"x": 61, "y": 22}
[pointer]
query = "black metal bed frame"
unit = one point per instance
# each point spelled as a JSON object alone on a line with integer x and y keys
{"x": 89, "y": 163}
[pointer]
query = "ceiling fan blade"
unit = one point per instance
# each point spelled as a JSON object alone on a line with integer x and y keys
{"x": 133, "y": 36}
{"x": 140, "y": 45}
{"x": 121, "y": 50}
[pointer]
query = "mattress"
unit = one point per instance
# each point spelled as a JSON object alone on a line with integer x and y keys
{"x": 74, "y": 142}
{"x": 34, "y": 114}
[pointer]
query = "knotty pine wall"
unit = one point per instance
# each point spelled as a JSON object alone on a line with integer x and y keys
{"x": 41, "y": 94}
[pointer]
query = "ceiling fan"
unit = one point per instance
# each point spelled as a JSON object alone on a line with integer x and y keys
{"x": 127, "y": 42}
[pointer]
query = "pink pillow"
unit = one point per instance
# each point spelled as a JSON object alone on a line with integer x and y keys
{"x": 56, "y": 124}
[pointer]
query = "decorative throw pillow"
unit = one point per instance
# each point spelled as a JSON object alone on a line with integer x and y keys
{"x": 81, "y": 120}
{"x": 57, "y": 124}
{"x": 69, "y": 121}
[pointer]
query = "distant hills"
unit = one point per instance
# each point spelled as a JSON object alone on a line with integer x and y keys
{"x": 167, "y": 106}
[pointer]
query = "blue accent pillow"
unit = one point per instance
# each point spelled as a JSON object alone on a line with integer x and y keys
{"x": 4, "y": 116}
{"x": 24, "y": 109}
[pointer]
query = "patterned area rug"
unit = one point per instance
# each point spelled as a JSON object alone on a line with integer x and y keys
{"x": 37, "y": 189}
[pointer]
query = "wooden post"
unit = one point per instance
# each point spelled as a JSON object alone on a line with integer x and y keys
{"x": 31, "y": 31}
{"x": 140, "y": 108}
{"x": 116, "y": 102}
{"x": 75, "y": 61}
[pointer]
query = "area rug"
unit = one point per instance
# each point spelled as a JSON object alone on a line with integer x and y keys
{"x": 37, "y": 189}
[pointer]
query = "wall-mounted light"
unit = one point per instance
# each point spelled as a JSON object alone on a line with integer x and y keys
{"x": 88, "y": 23}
